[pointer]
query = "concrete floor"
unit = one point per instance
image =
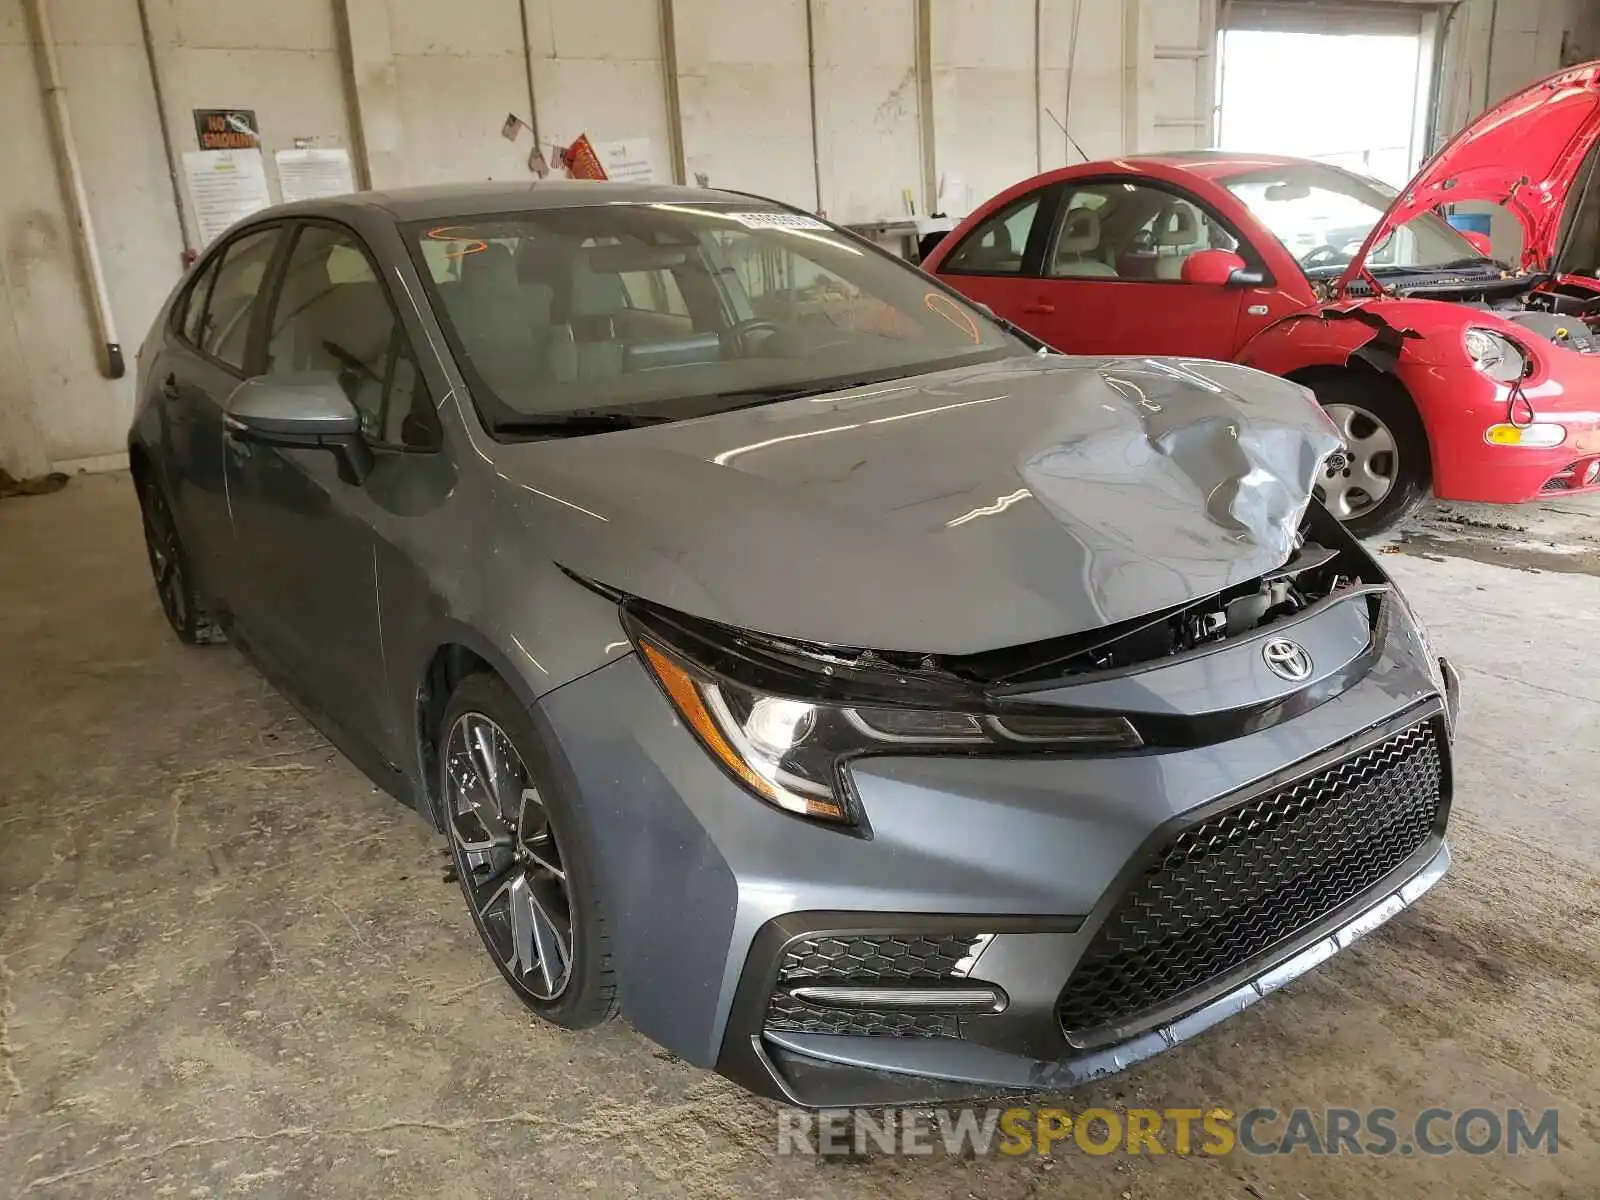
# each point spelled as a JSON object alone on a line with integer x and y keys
{"x": 229, "y": 967}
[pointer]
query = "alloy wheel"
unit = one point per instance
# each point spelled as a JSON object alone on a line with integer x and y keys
{"x": 506, "y": 854}
{"x": 166, "y": 558}
{"x": 1370, "y": 467}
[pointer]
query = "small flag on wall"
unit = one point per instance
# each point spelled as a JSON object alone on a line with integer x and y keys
{"x": 582, "y": 161}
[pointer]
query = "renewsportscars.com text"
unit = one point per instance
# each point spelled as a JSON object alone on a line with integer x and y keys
{"x": 1212, "y": 1132}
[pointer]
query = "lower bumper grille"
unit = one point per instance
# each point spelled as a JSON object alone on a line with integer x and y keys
{"x": 1240, "y": 882}
{"x": 863, "y": 959}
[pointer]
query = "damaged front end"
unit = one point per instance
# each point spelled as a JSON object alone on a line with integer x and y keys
{"x": 789, "y": 718}
{"x": 1559, "y": 311}
{"x": 1327, "y": 565}
{"x": 1079, "y": 770}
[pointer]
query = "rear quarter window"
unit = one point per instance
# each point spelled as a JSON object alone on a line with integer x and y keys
{"x": 999, "y": 244}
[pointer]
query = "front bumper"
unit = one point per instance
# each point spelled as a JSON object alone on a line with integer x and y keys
{"x": 814, "y": 1070}
{"x": 1466, "y": 467}
{"x": 706, "y": 889}
{"x": 1218, "y": 908}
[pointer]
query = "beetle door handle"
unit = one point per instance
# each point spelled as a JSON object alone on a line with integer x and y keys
{"x": 1040, "y": 309}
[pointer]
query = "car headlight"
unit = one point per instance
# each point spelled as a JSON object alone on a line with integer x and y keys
{"x": 1496, "y": 355}
{"x": 789, "y": 751}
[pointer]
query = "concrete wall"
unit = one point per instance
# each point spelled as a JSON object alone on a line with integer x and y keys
{"x": 54, "y": 404}
{"x": 1493, "y": 49}
{"x": 909, "y": 96}
{"x": 597, "y": 67}
{"x": 869, "y": 147}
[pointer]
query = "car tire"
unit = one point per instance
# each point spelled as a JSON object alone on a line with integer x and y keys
{"x": 1388, "y": 472}
{"x": 523, "y": 867}
{"x": 170, "y": 571}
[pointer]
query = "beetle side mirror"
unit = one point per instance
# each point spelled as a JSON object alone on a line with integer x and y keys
{"x": 309, "y": 410}
{"x": 1219, "y": 268}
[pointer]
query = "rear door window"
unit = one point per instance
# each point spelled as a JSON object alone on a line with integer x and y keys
{"x": 654, "y": 292}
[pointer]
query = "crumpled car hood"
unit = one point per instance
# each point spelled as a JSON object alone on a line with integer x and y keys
{"x": 1524, "y": 153}
{"x": 950, "y": 513}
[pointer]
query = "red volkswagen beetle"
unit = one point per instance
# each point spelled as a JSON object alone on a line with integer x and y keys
{"x": 1444, "y": 369}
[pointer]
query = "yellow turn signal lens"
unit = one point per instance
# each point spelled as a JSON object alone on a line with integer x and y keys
{"x": 1541, "y": 436}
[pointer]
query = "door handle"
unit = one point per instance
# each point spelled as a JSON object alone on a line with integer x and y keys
{"x": 1041, "y": 309}
{"x": 169, "y": 387}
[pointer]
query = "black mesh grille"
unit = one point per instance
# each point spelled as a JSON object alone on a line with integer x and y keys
{"x": 1245, "y": 879}
{"x": 864, "y": 960}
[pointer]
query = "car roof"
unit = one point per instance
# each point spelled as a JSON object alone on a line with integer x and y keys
{"x": 1213, "y": 164}
{"x": 441, "y": 201}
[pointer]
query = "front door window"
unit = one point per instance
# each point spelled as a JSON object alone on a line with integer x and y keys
{"x": 333, "y": 317}
{"x": 1117, "y": 230}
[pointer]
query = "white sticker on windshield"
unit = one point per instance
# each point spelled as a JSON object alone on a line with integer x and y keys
{"x": 777, "y": 220}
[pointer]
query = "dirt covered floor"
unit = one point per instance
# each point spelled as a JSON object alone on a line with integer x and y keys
{"x": 231, "y": 968}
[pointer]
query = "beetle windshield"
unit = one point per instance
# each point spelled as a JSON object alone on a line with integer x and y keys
{"x": 584, "y": 318}
{"x": 1322, "y": 214}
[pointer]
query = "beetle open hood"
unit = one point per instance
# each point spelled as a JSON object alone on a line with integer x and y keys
{"x": 949, "y": 513}
{"x": 1523, "y": 154}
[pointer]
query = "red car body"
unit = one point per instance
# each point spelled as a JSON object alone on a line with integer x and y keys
{"x": 1398, "y": 333}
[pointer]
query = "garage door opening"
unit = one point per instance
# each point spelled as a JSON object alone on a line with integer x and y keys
{"x": 1285, "y": 87}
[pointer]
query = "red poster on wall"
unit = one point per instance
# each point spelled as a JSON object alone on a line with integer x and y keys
{"x": 582, "y": 161}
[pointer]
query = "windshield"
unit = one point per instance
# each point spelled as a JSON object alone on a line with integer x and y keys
{"x": 1322, "y": 214}
{"x": 662, "y": 311}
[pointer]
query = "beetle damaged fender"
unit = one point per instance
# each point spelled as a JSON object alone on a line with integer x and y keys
{"x": 1340, "y": 335}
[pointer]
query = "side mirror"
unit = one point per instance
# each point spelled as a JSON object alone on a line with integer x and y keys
{"x": 1219, "y": 268}
{"x": 309, "y": 411}
{"x": 1480, "y": 241}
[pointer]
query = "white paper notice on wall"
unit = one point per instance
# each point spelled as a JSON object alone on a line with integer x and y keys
{"x": 224, "y": 186}
{"x": 631, "y": 160}
{"x": 310, "y": 174}
{"x": 955, "y": 196}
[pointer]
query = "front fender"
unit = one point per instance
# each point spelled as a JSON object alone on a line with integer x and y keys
{"x": 1415, "y": 342}
{"x": 513, "y": 632}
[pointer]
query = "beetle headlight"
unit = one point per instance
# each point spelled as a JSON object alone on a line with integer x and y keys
{"x": 789, "y": 751}
{"x": 1496, "y": 355}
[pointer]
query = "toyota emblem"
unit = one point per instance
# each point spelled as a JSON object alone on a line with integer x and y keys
{"x": 1287, "y": 660}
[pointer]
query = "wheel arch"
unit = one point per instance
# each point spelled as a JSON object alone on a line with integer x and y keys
{"x": 457, "y": 654}
{"x": 143, "y": 466}
{"x": 1359, "y": 372}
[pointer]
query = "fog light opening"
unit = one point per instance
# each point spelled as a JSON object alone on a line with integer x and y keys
{"x": 972, "y": 998}
{"x": 1591, "y": 473}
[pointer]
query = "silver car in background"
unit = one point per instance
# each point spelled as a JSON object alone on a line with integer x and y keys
{"x": 866, "y": 703}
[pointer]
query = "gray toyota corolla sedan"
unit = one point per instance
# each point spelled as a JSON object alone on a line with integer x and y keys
{"x": 865, "y": 702}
